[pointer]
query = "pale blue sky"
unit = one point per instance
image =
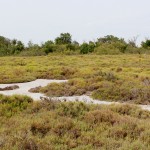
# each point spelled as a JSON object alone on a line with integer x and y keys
{"x": 42, "y": 20}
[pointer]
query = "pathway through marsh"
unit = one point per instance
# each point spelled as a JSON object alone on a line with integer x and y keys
{"x": 25, "y": 87}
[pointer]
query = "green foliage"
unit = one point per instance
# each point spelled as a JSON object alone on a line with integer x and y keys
{"x": 107, "y": 49}
{"x": 10, "y": 105}
{"x": 146, "y": 44}
{"x": 110, "y": 45}
{"x": 109, "y": 39}
{"x": 72, "y": 46}
{"x": 130, "y": 110}
{"x": 8, "y": 47}
{"x": 5, "y": 45}
{"x": 87, "y": 48}
{"x": 64, "y": 38}
{"x": 84, "y": 48}
{"x": 17, "y": 47}
{"x": 54, "y": 125}
{"x": 107, "y": 45}
{"x": 122, "y": 78}
{"x": 48, "y": 47}
{"x": 75, "y": 86}
{"x": 32, "y": 50}
{"x": 123, "y": 91}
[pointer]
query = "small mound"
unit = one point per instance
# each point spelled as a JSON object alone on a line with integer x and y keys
{"x": 35, "y": 90}
{"x": 13, "y": 87}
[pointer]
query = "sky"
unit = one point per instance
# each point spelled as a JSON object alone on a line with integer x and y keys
{"x": 85, "y": 20}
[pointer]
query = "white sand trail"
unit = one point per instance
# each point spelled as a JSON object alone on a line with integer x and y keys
{"x": 25, "y": 87}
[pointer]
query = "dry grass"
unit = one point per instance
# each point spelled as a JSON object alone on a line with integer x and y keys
{"x": 53, "y": 125}
{"x": 123, "y": 78}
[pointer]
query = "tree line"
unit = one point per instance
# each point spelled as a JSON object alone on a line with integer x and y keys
{"x": 64, "y": 44}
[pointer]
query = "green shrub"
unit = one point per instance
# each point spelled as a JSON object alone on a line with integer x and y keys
{"x": 87, "y": 48}
{"x": 53, "y": 125}
{"x": 11, "y": 105}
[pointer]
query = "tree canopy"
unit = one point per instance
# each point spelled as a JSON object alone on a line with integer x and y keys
{"x": 64, "y": 44}
{"x": 64, "y": 38}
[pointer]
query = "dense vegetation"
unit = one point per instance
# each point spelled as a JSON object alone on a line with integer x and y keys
{"x": 50, "y": 125}
{"x": 124, "y": 78}
{"x": 64, "y": 44}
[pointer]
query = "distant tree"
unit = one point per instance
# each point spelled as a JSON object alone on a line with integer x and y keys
{"x": 84, "y": 48}
{"x": 87, "y": 48}
{"x": 146, "y": 44}
{"x": 113, "y": 42}
{"x": 19, "y": 46}
{"x": 48, "y": 47}
{"x": 109, "y": 39}
{"x": 16, "y": 46}
{"x": 75, "y": 43}
{"x": 30, "y": 44}
{"x": 132, "y": 42}
{"x": 64, "y": 38}
{"x": 70, "y": 47}
{"x": 91, "y": 46}
{"x": 14, "y": 42}
{"x": 4, "y": 41}
{"x": 5, "y": 46}
{"x": 73, "y": 46}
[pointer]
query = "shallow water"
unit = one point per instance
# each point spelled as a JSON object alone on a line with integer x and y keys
{"x": 24, "y": 87}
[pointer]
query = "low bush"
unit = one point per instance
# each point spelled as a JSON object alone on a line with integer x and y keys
{"x": 53, "y": 125}
{"x": 124, "y": 91}
{"x": 10, "y": 105}
{"x": 123, "y": 78}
